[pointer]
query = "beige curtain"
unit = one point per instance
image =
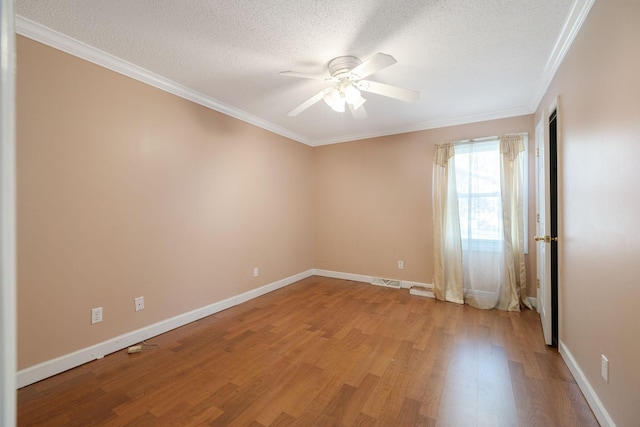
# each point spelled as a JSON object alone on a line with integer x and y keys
{"x": 512, "y": 158}
{"x": 447, "y": 280}
{"x": 483, "y": 273}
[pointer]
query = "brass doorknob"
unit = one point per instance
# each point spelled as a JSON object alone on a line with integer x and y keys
{"x": 545, "y": 239}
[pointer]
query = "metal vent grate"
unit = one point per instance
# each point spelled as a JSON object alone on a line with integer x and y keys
{"x": 389, "y": 283}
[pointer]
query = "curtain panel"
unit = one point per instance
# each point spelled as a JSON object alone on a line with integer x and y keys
{"x": 512, "y": 160}
{"x": 447, "y": 281}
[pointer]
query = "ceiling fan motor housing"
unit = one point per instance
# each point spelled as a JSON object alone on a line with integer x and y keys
{"x": 341, "y": 65}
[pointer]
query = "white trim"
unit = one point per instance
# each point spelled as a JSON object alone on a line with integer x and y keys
{"x": 404, "y": 284}
{"x": 589, "y": 393}
{"x": 77, "y": 358}
{"x": 433, "y": 124}
{"x": 576, "y": 18}
{"x": 560, "y": 226}
{"x": 8, "y": 329}
{"x": 46, "y": 35}
{"x": 343, "y": 276}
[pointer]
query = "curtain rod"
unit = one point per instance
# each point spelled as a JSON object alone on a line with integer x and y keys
{"x": 486, "y": 138}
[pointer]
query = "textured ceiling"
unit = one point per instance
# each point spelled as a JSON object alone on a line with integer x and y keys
{"x": 470, "y": 59}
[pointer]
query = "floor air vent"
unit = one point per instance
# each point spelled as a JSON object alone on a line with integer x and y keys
{"x": 386, "y": 282}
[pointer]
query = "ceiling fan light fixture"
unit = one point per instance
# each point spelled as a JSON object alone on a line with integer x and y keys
{"x": 338, "y": 106}
{"x": 352, "y": 96}
{"x": 335, "y": 100}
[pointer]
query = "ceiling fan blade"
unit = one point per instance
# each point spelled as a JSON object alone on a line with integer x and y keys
{"x": 358, "y": 113}
{"x": 307, "y": 76}
{"x": 388, "y": 90}
{"x": 308, "y": 103}
{"x": 376, "y": 63}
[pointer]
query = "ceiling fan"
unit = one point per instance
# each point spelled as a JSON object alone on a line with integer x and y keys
{"x": 347, "y": 74}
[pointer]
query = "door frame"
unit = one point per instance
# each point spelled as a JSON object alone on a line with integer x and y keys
{"x": 8, "y": 322}
{"x": 556, "y": 106}
{"x": 544, "y": 123}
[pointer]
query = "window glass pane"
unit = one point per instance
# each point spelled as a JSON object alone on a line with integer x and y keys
{"x": 478, "y": 185}
{"x": 485, "y": 218}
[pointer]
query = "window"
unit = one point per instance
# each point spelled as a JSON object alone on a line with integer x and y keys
{"x": 477, "y": 168}
{"x": 478, "y": 185}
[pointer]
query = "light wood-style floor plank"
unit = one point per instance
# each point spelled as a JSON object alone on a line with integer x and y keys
{"x": 325, "y": 352}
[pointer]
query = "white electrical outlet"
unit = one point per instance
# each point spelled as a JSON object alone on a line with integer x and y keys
{"x": 400, "y": 265}
{"x": 96, "y": 315}
{"x": 604, "y": 367}
{"x": 256, "y": 272}
{"x": 139, "y": 303}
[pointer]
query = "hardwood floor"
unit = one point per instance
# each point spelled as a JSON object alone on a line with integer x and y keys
{"x": 325, "y": 352}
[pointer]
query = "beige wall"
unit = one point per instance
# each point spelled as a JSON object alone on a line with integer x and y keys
{"x": 373, "y": 201}
{"x": 126, "y": 191}
{"x": 599, "y": 284}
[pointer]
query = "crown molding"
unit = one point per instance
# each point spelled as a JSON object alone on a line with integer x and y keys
{"x": 577, "y": 16}
{"x": 35, "y": 31}
{"x": 433, "y": 124}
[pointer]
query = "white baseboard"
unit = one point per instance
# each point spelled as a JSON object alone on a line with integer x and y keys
{"x": 343, "y": 276}
{"x": 589, "y": 393}
{"x": 533, "y": 301}
{"x": 68, "y": 361}
{"x": 404, "y": 284}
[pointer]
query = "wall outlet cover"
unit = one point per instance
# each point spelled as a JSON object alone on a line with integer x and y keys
{"x": 139, "y": 303}
{"x": 96, "y": 315}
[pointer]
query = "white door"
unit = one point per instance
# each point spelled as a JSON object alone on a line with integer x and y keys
{"x": 543, "y": 225}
